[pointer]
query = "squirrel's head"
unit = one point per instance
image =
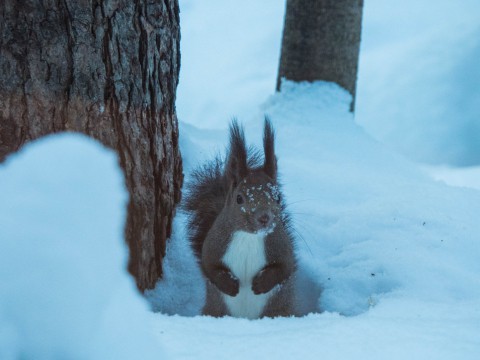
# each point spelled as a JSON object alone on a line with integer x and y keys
{"x": 254, "y": 200}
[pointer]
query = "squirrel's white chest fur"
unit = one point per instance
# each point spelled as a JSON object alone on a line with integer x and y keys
{"x": 245, "y": 257}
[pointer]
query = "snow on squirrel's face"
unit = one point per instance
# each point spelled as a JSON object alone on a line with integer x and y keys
{"x": 255, "y": 204}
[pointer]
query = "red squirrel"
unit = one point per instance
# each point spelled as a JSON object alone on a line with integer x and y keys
{"x": 240, "y": 232}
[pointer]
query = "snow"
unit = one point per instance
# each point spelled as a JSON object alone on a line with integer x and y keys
{"x": 461, "y": 177}
{"x": 419, "y": 77}
{"x": 182, "y": 289}
{"x": 388, "y": 256}
{"x": 230, "y": 53}
{"x": 388, "y": 333}
{"x": 64, "y": 291}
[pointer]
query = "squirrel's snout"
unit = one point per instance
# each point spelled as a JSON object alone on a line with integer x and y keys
{"x": 264, "y": 219}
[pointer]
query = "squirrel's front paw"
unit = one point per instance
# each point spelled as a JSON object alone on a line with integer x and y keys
{"x": 265, "y": 280}
{"x": 227, "y": 283}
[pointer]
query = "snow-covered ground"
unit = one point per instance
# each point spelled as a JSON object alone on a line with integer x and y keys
{"x": 389, "y": 257}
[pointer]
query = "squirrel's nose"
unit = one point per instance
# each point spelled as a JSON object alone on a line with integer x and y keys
{"x": 264, "y": 219}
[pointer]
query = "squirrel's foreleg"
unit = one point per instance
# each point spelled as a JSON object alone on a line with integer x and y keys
{"x": 269, "y": 277}
{"x": 223, "y": 279}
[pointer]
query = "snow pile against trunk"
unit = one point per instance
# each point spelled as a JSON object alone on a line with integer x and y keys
{"x": 394, "y": 253}
{"x": 64, "y": 289}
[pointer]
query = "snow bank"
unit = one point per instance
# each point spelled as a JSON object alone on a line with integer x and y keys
{"x": 395, "y": 253}
{"x": 373, "y": 223}
{"x": 64, "y": 290}
{"x": 182, "y": 288}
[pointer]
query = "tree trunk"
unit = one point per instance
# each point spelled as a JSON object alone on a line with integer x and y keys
{"x": 321, "y": 41}
{"x": 108, "y": 69}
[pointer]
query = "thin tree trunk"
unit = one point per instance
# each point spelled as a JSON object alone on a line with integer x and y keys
{"x": 108, "y": 69}
{"x": 321, "y": 41}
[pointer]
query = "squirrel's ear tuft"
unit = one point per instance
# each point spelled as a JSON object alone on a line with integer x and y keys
{"x": 270, "y": 165}
{"x": 236, "y": 168}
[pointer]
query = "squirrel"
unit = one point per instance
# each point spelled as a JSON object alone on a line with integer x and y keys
{"x": 241, "y": 233}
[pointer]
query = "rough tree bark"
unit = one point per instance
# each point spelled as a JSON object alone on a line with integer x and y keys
{"x": 108, "y": 69}
{"x": 321, "y": 41}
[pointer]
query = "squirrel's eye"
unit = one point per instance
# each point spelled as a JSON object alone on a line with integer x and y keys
{"x": 239, "y": 199}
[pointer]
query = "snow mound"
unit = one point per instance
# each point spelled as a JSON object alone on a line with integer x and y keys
{"x": 369, "y": 222}
{"x": 64, "y": 289}
{"x": 182, "y": 288}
